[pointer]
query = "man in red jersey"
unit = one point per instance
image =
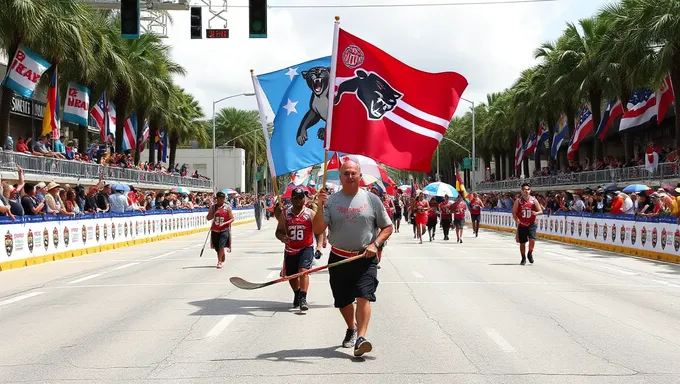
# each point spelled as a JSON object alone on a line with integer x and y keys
{"x": 296, "y": 232}
{"x": 459, "y": 208}
{"x": 445, "y": 207}
{"x": 220, "y": 236}
{"x": 524, "y": 211}
{"x": 475, "y": 212}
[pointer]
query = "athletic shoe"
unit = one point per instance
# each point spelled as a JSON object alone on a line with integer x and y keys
{"x": 524, "y": 261}
{"x": 219, "y": 265}
{"x": 317, "y": 254}
{"x": 296, "y": 299}
{"x": 303, "y": 304}
{"x": 362, "y": 346}
{"x": 350, "y": 338}
{"x": 476, "y": 234}
{"x": 530, "y": 256}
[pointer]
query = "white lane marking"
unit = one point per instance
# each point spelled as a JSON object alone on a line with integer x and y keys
{"x": 498, "y": 339}
{"x": 621, "y": 271}
{"x": 273, "y": 274}
{"x": 418, "y": 275}
{"x": 570, "y": 258}
{"x": 221, "y": 326}
{"x": 667, "y": 283}
{"x": 126, "y": 265}
{"x": 19, "y": 298}
{"x": 85, "y": 278}
{"x": 163, "y": 255}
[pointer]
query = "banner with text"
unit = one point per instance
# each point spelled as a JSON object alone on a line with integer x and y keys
{"x": 24, "y": 72}
{"x": 77, "y": 104}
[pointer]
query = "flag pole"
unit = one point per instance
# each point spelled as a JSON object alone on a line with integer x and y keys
{"x": 265, "y": 132}
{"x": 331, "y": 98}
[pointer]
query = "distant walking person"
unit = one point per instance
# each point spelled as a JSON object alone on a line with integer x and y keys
{"x": 258, "y": 204}
{"x": 445, "y": 207}
{"x": 459, "y": 208}
{"x": 475, "y": 212}
{"x": 220, "y": 236}
{"x": 524, "y": 211}
{"x": 358, "y": 224}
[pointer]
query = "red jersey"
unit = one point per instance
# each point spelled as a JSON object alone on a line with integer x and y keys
{"x": 524, "y": 212}
{"x": 221, "y": 217}
{"x": 459, "y": 210}
{"x": 445, "y": 209}
{"x": 388, "y": 206}
{"x": 476, "y": 207}
{"x": 432, "y": 212}
{"x": 300, "y": 230}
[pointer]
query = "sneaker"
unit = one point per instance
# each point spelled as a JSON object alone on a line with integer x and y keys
{"x": 219, "y": 265}
{"x": 350, "y": 338}
{"x": 476, "y": 234}
{"x": 530, "y": 256}
{"x": 303, "y": 304}
{"x": 362, "y": 346}
{"x": 317, "y": 254}
{"x": 296, "y": 299}
{"x": 523, "y": 262}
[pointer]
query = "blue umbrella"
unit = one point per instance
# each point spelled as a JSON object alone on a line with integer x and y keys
{"x": 633, "y": 188}
{"x": 440, "y": 189}
{"x": 123, "y": 187}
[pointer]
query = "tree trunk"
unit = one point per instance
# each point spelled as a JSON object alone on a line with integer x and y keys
{"x": 121, "y": 100}
{"x": 595, "y": 96}
{"x": 141, "y": 114}
{"x": 6, "y": 100}
{"x": 82, "y": 139}
{"x": 174, "y": 141}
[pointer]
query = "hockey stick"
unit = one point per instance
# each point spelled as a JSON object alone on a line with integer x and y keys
{"x": 204, "y": 243}
{"x": 243, "y": 284}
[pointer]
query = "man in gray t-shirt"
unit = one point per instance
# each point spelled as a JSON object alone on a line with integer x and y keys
{"x": 358, "y": 224}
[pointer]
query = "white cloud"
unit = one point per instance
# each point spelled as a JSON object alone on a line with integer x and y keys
{"x": 490, "y": 45}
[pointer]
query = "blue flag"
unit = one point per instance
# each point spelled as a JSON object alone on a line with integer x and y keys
{"x": 298, "y": 95}
{"x": 561, "y": 132}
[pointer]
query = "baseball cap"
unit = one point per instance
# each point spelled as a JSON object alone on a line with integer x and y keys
{"x": 220, "y": 194}
{"x": 297, "y": 192}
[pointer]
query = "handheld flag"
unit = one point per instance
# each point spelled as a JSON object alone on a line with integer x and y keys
{"x": 400, "y": 113}
{"x": 298, "y": 95}
{"x": 51, "y": 121}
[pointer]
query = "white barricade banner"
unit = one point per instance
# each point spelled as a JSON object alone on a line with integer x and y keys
{"x": 37, "y": 237}
{"x": 657, "y": 238}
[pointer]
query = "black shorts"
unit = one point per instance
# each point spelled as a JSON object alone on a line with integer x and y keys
{"x": 459, "y": 223}
{"x": 475, "y": 217}
{"x": 358, "y": 278}
{"x": 300, "y": 260}
{"x": 431, "y": 222}
{"x": 396, "y": 216}
{"x": 220, "y": 240}
{"x": 526, "y": 233}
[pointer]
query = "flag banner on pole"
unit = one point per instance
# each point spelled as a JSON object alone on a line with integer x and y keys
{"x": 130, "y": 133}
{"x": 583, "y": 129}
{"x": 51, "y": 122}
{"x": 24, "y": 73}
{"x": 642, "y": 108}
{"x": 519, "y": 152}
{"x": 561, "y": 132}
{"x": 387, "y": 110}
{"x": 298, "y": 96}
{"x": 77, "y": 104}
{"x": 614, "y": 109}
{"x": 665, "y": 96}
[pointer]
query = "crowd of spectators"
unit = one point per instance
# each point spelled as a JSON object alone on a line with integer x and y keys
{"x": 97, "y": 153}
{"x": 28, "y": 199}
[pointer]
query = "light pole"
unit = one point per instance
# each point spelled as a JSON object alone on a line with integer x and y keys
{"x": 214, "y": 179}
{"x": 474, "y": 166}
{"x": 455, "y": 142}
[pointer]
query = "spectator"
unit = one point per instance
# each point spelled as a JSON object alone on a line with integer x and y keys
{"x": 31, "y": 203}
{"x": 118, "y": 201}
{"x": 103, "y": 203}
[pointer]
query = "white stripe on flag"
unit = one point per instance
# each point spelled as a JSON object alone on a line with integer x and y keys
{"x": 413, "y": 127}
{"x": 422, "y": 115}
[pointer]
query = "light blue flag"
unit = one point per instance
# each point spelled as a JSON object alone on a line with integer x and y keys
{"x": 561, "y": 132}
{"x": 298, "y": 95}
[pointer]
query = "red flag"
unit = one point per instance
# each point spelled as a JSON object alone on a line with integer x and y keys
{"x": 665, "y": 98}
{"x": 387, "y": 110}
{"x": 334, "y": 162}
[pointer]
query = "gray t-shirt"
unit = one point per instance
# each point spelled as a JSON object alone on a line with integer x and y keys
{"x": 353, "y": 221}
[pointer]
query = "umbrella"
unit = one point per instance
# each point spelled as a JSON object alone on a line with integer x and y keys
{"x": 229, "y": 191}
{"x": 636, "y": 188}
{"x": 440, "y": 189}
{"x": 125, "y": 188}
{"x": 183, "y": 190}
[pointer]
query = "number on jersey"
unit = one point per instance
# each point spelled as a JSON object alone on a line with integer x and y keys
{"x": 526, "y": 213}
{"x": 297, "y": 234}
{"x": 219, "y": 220}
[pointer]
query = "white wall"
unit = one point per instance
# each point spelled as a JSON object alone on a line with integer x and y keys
{"x": 231, "y": 165}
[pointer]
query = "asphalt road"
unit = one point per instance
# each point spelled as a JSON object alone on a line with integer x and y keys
{"x": 446, "y": 313}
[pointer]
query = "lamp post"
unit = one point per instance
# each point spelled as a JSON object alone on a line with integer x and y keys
{"x": 474, "y": 166}
{"x": 214, "y": 179}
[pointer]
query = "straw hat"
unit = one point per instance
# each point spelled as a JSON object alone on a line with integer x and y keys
{"x": 51, "y": 186}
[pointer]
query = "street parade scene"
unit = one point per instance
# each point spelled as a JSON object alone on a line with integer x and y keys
{"x": 398, "y": 191}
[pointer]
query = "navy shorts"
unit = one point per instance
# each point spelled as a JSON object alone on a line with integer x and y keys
{"x": 219, "y": 240}
{"x": 526, "y": 233}
{"x": 358, "y": 278}
{"x": 300, "y": 260}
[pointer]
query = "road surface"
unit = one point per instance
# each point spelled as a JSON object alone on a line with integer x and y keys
{"x": 446, "y": 313}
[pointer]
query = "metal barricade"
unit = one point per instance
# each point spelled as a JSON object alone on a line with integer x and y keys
{"x": 665, "y": 171}
{"x": 59, "y": 167}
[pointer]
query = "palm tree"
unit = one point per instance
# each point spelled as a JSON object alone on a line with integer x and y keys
{"x": 18, "y": 21}
{"x": 186, "y": 121}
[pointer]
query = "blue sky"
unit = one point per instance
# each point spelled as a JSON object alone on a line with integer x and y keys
{"x": 489, "y": 44}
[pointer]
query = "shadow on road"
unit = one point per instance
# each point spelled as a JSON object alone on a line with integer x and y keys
{"x": 307, "y": 356}
{"x": 223, "y": 307}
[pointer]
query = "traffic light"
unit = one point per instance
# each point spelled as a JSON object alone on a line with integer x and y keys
{"x": 257, "y": 18}
{"x": 196, "y": 22}
{"x": 129, "y": 19}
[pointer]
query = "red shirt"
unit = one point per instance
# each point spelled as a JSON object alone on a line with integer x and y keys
{"x": 299, "y": 230}
{"x": 459, "y": 210}
{"x": 476, "y": 207}
{"x": 445, "y": 209}
{"x": 432, "y": 212}
{"x": 221, "y": 217}
{"x": 524, "y": 212}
